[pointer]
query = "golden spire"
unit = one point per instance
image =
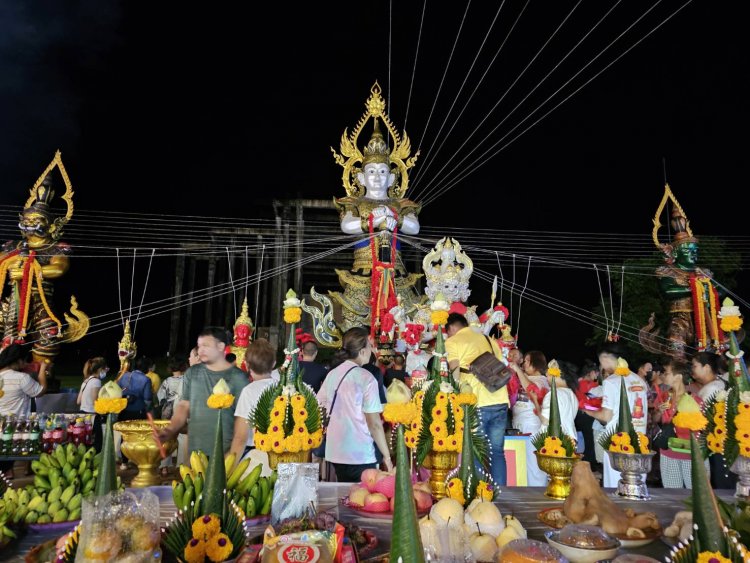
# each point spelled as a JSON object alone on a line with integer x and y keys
{"x": 40, "y": 196}
{"x": 244, "y": 318}
{"x": 679, "y": 223}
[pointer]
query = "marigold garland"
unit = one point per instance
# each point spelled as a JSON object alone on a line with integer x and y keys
{"x": 206, "y": 526}
{"x": 113, "y": 406}
{"x": 455, "y": 490}
{"x": 403, "y": 413}
{"x": 220, "y": 401}
{"x": 219, "y": 548}
{"x": 731, "y": 323}
{"x": 466, "y": 399}
{"x": 439, "y": 317}
{"x": 195, "y": 551}
{"x": 622, "y": 371}
{"x": 554, "y": 372}
{"x": 484, "y": 491}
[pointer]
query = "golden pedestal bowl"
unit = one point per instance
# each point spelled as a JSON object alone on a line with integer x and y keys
{"x": 139, "y": 445}
{"x": 559, "y": 470}
{"x": 275, "y": 459}
{"x": 440, "y": 464}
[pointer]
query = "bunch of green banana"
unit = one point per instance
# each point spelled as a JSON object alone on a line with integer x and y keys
{"x": 6, "y": 533}
{"x": 62, "y": 479}
{"x": 248, "y": 490}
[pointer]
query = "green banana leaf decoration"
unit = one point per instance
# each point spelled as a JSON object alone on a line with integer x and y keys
{"x": 554, "y": 427}
{"x": 406, "y": 541}
{"x": 706, "y": 515}
{"x": 738, "y": 383}
{"x": 216, "y": 478}
{"x": 107, "y": 480}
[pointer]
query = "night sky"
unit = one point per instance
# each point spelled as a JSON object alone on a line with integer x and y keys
{"x": 168, "y": 108}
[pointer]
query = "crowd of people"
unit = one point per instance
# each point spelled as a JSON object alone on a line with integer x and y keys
{"x": 352, "y": 390}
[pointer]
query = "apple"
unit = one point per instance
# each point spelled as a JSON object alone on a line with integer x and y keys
{"x": 386, "y": 484}
{"x": 369, "y": 478}
{"x": 377, "y": 502}
{"x": 357, "y": 496}
{"x": 423, "y": 500}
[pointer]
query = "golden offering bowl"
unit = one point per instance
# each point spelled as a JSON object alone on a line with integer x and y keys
{"x": 139, "y": 445}
{"x": 275, "y": 459}
{"x": 559, "y": 470}
{"x": 440, "y": 464}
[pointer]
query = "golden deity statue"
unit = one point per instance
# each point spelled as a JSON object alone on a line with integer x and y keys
{"x": 30, "y": 266}
{"x": 376, "y": 180}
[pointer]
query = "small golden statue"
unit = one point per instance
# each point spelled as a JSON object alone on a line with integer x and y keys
{"x": 30, "y": 265}
{"x": 127, "y": 349}
{"x": 375, "y": 180}
{"x": 243, "y": 332}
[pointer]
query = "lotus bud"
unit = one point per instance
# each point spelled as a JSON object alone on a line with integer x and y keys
{"x": 110, "y": 390}
{"x": 221, "y": 388}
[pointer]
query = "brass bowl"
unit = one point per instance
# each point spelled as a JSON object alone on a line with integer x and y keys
{"x": 275, "y": 459}
{"x": 559, "y": 470}
{"x": 139, "y": 445}
{"x": 440, "y": 464}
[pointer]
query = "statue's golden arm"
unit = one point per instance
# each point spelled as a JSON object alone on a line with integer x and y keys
{"x": 57, "y": 266}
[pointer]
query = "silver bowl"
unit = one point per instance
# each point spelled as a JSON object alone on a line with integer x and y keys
{"x": 632, "y": 467}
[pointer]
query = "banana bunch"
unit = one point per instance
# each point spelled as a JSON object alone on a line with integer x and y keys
{"x": 6, "y": 533}
{"x": 251, "y": 492}
{"x": 62, "y": 479}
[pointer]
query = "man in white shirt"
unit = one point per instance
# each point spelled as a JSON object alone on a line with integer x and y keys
{"x": 637, "y": 391}
{"x": 18, "y": 387}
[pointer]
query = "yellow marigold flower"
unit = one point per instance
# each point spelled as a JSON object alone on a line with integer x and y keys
{"x": 107, "y": 406}
{"x": 440, "y": 412}
{"x": 715, "y": 444}
{"x": 299, "y": 415}
{"x": 459, "y": 428}
{"x": 731, "y": 323}
{"x": 620, "y": 438}
{"x": 195, "y": 551}
{"x": 554, "y": 372}
{"x": 276, "y": 428}
{"x": 317, "y": 437}
{"x": 458, "y": 413}
{"x": 455, "y": 490}
{"x": 223, "y": 401}
{"x": 206, "y": 526}
{"x": 259, "y": 439}
{"x": 400, "y": 413}
{"x": 300, "y": 430}
{"x": 440, "y": 444}
{"x": 627, "y": 449}
{"x": 219, "y": 548}
{"x": 278, "y": 444}
{"x": 744, "y": 449}
{"x": 293, "y": 443}
{"x": 466, "y": 399}
{"x": 441, "y": 399}
{"x": 439, "y": 430}
{"x": 742, "y": 435}
{"x": 298, "y": 401}
{"x": 642, "y": 439}
{"x": 279, "y": 402}
{"x": 454, "y": 443}
{"x": 712, "y": 557}
{"x": 484, "y": 491}
{"x": 439, "y": 317}
{"x": 419, "y": 396}
{"x": 622, "y": 367}
{"x": 292, "y": 315}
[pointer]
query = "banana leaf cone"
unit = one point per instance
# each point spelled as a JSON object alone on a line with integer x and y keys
{"x": 706, "y": 516}
{"x": 216, "y": 478}
{"x": 289, "y": 376}
{"x": 467, "y": 471}
{"x": 554, "y": 428}
{"x": 107, "y": 480}
{"x": 434, "y": 374}
{"x": 406, "y": 541}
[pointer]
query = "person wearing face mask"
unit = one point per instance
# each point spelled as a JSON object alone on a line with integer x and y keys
{"x": 94, "y": 371}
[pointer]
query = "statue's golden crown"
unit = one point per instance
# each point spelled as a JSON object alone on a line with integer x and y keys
{"x": 377, "y": 149}
{"x": 679, "y": 224}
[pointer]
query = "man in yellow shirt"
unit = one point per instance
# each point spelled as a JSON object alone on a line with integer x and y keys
{"x": 463, "y": 346}
{"x": 153, "y": 376}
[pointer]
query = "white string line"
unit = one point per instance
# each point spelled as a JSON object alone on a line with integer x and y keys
{"x": 520, "y": 299}
{"x": 194, "y": 297}
{"x": 119, "y": 289}
{"x": 622, "y": 293}
{"x": 487, "y": 70}
{"x": 611, "y": 299}
{"x": 601, "y": 294}
{"x": 534, "y": 89}
{"x": 445, "y": 73}
{"x": 522, "y": 73}
{"x": 414, "y": 69}
{"x": 257, "y": 287}
{"x": 231, "y": 280}
{"x": 132, "y": 284}
{"x": 731, "y": 294}
{"x": 565, "y": 99}
{"x": 427, "y": 156}
{"x": 143, "y": 297}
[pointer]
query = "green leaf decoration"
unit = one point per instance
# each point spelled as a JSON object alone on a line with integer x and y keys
{"x": 554, "y": 427}
{"x": 260, "y": 418}
{"x": 709, "y": 411}
{"x": 425, "y": 437}
{"x": 709, "y": 535}
{"x": 216, "y": 478}
{"x": 107, "y": 480}
{"x": 406, "y": 541}
{"x": 479, "y": 444}
{"x": 738, "y": 368}
{"x": 313, "y": 409}
{"x": 625, "y": 420}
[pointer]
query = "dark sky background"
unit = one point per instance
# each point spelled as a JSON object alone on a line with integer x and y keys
{"x": 170, "y": 108}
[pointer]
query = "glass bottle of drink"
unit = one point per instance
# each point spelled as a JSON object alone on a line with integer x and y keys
{"x": 7, "y": 437}
{"x": 34, "y": 436}
{"x": 47, "y": 440}
{"x": 18, "y": 437}
{"x": 58, "y": 434}
{"x": 25, "y": 450}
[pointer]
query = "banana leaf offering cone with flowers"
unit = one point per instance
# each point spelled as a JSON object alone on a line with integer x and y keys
{"x": 555, "y": 450}
{"x": 211, "y": 528}
{"x": 287, "y": 420}
{"x": 712, "y": 541}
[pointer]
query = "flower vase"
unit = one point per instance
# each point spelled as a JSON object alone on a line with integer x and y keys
{"x": 632, "y": 467}
{"x": 440, "y": 464}
{"x": 741, "y": 467}
{"x": 139, "y": 445}
{"x": 275, "y": 459}
{"x": 559, "y": 470}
